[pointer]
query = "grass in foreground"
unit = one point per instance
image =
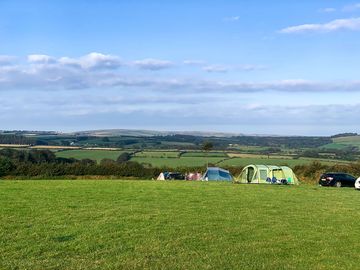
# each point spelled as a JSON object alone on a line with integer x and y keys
{"x": 176, "y": 225}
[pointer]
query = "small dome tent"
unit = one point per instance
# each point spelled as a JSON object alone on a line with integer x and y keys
{"x": 216, "y": 174}
{"x": 267, "y": 174}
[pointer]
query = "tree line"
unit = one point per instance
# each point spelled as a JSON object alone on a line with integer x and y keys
{"x": 43, "y": 164}
{"x": 16, "y": 139}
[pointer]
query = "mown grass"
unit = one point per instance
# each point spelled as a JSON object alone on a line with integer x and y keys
{"x": 176, "y": 225}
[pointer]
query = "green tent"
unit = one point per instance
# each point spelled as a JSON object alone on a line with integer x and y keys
{"x": 267, "y": 174}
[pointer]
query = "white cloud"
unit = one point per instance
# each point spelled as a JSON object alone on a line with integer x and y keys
{"x": 93, "y": 60}
{"x": 41, "y": 59}
{"x": 6, "y": 60}
{"x": 152, "y": 64}
{"x": 61, "y": 74}
{"x": 340, "y": 24}
{"x": 58, "y": 76}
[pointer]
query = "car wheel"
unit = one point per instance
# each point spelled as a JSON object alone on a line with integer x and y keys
{"x": 338, "y": 184}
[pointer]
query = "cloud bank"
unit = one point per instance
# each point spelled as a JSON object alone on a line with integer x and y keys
{"x": 101, "y": 71}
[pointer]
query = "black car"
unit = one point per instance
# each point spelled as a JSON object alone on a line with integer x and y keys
{"x": 337, "y": 180}
{"x": 174, "y": 176}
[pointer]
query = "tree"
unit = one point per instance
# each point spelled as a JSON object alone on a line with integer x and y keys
{"x": 105, "y": 139}
{"x": 5, "y": 166}
{"x": 207, "y": 146}
{"x": 124, "y": 157}
{"x": 107, "y": 161}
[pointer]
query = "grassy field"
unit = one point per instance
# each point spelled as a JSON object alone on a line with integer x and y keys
{"x": 274, "y": 161}
{"x": 191, "y": 159}
{"x": 176, "y": 225}
{"x": 158, "y": 154}
{"x": 91, "y": 154}
{"x": 204, "y": 154}
{"x": 344, "y": 142}
{"x": 177, "y": 162}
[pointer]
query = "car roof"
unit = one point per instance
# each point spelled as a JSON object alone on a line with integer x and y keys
{"x": 337, "y": 173}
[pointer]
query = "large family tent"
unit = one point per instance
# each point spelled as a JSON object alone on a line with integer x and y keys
{"x": 217, "y": 174}
{"x": 267, "y": 174}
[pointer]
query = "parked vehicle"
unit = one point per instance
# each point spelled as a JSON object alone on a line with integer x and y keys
{"x": 174, "y": 176}
{"x": 357, "y": 184}
{"x": 171, "y": 176}
{"x": 337, "y": 180}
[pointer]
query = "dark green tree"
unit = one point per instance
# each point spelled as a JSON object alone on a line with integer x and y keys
{"x": 124, "y": 157}
{"x": 207, "y": 146}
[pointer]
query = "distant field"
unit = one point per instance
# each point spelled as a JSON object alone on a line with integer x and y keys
{"x": 14, "y": 145}
{"x": 177, "y": 162}
{"x": 274, "y": 161}
{"x": 158, "y": 154}
{"x": 351, "y": 140}
{"x": 255, "y": 156}
{"x": 191, "y": 159}
{"x": 54, "y": 147}
{"x": 176, "y": 225}
{"x": 344, "y": 142}
{"x": 338, "y": 146}
{"x": 204, "y": 154}
{"x": 248, "y": 148}
{"x": 179, "y": 144}
{"x": 97, "y": 155}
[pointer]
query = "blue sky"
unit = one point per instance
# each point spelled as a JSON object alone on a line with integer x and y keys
{"x": 264, "y": 67}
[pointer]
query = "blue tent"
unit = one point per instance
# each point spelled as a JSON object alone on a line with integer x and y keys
{"x": 217, "y": 174}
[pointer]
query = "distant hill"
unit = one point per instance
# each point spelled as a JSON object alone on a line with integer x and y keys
{"x": 149, "y": 133}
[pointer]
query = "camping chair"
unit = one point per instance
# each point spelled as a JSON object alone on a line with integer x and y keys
{"x": 273, "y": 180}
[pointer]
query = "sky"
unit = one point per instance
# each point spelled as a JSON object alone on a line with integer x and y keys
{"x": 253, "y": 67}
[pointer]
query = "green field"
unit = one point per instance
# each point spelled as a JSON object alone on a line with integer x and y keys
{"x": 351, "y": 140}
{"x": 204, "y": 154}
{"x": 188, "y": 159}
{"x": 275, "y": 161}
{"x": 178, "y": 162}
{"x": 158, "y": 154}
{"x": 97, "y": 155}
{"x": 176, "y": 225}
{"x": 344, "y": 142}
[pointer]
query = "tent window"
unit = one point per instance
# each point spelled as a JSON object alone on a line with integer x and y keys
{"x": 278, "y": 174}
{"x": 211, "y": 174}
{"x": 224, "y": 175}
{"x": 263, "y": 174}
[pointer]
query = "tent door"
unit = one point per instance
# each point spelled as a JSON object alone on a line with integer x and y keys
{"x": 250, "y": 174}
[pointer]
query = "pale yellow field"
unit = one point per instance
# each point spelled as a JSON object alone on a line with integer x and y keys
{"x": 14, "y": 145}
{"x": 54, "y": 147}
{"x": 256, "y": 156}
